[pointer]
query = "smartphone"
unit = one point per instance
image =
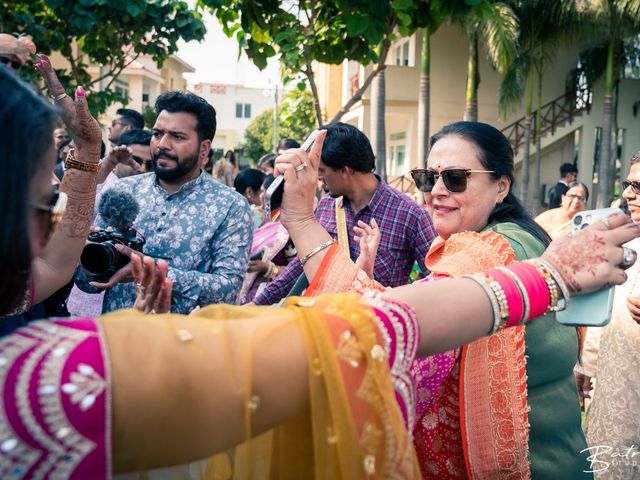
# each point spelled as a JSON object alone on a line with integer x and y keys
{"x": 273, "y": 195}
{"x": 257, "y": 256}
{"x": 592, "y": 309}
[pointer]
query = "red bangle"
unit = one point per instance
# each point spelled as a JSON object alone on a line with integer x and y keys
{"x": 514, "y": 297}
{"x": 536, "y": 286}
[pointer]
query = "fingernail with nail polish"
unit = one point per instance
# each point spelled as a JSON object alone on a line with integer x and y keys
{"x": 80, "y": 91}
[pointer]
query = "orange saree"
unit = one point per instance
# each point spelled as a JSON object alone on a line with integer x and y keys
{"x": 476, "y": 426}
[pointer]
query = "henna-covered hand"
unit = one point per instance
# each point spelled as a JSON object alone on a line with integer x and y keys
{"x": 75, "y": 114}
{"x": 590, "y": 259}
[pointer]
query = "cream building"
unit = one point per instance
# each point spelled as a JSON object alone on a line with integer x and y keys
{"x": 236, "y": 106}
{"x": 569, "y": 140}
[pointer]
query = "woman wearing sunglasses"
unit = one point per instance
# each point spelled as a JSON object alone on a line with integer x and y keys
{"x": 506, "y": 405}
{"x": 83, "y": 398}
{"x": 557, "y": 221}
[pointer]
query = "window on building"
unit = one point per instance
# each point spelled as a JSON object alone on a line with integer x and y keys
{"x": 396, "y": 158}
{"x": 243, "y": 110}
{"x": 122, "y": 88}
{"x": 145, "y": 98}
{"x": 402, "y": 54}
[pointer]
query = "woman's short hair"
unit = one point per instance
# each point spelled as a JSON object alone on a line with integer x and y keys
{"x": 580, "y": 184}
{"x": 249, "y": 177}
{"x": 25, "y": 139}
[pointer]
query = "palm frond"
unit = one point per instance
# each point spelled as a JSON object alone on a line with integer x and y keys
{"x": 513, "y": 85}
{"x": 500, "y": 34}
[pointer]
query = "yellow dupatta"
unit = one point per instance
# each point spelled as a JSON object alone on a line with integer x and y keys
{"x": 353, "y": 428}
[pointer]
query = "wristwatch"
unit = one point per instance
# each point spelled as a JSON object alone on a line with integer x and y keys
{"x": 71, "y": 162}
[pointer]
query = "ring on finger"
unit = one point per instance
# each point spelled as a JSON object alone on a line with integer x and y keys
{"x": 628, "y": 257}
{"x": 301, "y": 167}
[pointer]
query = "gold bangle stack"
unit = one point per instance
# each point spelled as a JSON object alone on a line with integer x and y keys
{"x": 71, "y": 162}
{"x": 272, "y": 271}
{"x": 565, "y": 298}
{"x": 316, "y": 250}
{"x": 497, "y": 297}
{"x": 526, "y": 306}
{"x": 552, "y": 284}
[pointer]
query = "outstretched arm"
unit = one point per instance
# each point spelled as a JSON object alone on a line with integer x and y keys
{"x": 55, "y": 266}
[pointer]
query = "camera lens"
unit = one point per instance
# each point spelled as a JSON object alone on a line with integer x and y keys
{"x": 584, "y": 226}
{"x": 577, "y": 219}
{"x": 97, "y": 258}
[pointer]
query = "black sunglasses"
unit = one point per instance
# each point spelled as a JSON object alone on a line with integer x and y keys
{"x": 635, "y": 186}
{"x": 455, "y": 179}
{"x": 15, "y": 64}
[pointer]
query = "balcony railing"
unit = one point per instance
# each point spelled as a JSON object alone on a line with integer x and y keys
{"x": 557, "y": 113}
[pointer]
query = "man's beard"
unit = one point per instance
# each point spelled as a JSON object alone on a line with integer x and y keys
{"x": 183, "y": 167}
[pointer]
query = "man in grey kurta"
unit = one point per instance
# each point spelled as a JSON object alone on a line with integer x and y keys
{"x": 203, "y": 227}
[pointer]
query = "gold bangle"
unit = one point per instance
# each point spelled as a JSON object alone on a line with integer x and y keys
{"x": 71, "y": 162}
{"x": 318, "y": 249}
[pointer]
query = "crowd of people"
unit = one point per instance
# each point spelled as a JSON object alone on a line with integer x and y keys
{"x": 158, "y": 264}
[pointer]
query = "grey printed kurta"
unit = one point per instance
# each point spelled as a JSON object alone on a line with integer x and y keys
{"x": 205, "y": 229}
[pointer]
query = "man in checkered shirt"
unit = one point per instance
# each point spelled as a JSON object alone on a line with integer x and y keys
{"x": 346, "y": 170}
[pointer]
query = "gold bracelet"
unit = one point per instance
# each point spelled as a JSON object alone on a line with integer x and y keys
{"x": 71, "y": 162}
{"x": 318, "y": 249}
{"x": 481, "y": 280}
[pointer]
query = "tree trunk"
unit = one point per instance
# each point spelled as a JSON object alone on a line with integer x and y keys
{"x": 314, "y": 92}
{"x": 537, "y": 193}
{"x": 471, "y": 104}
{"x": 424, "y": 100}
{"x": 378, "y": 139}
{"x": 606, "y": 167}
{"x": 524, "y": 189}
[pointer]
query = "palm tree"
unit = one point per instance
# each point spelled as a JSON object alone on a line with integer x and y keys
{"x": 495, "y": 26}
{"x": 378, "y": 131}
{"x": 543, "y": 23}
{"x": 436, "y": 15}
{"x": 424, "y": 98}
{"x": 614, "y": 24}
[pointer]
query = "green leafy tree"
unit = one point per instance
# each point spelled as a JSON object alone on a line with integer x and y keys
{"x": 111, "y": 33}
{"x": 296, "y": 119}
{"x": 611, "y": 29}
{"x": 494, "y": 25}
{"x": 306, "y": 31}
{"x": 542, "y": 24}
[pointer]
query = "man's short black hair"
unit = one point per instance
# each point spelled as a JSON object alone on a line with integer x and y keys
{"x": 567, "y": 168}
{"x": 346, "y": 146}
{"x": 131, "y": 117}
{"x": 287, "y": 143}
{"x": 187, "y": 102}
{"x": 135, "y": 136}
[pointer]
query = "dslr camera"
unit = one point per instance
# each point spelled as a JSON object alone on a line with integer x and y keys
{"x": 100, "y": 259}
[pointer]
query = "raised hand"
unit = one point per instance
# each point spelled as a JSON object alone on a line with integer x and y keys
{"x": 152, "y": 285}
{"x": 368, "y": 237}
{"x": 122, "y": 154}
{"x": 300, "y": 170}
{"x": 594, "y": 257}
{"x": 75, "y": 114}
